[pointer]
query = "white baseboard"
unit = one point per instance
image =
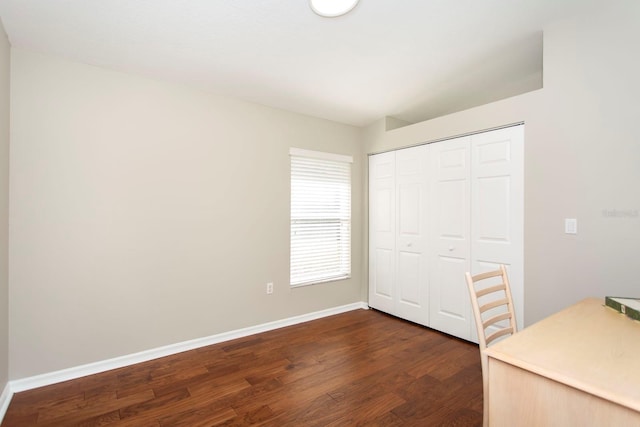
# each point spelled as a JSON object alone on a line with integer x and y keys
{"x": 144, "y": 356}
{"x": 5, "y": 399}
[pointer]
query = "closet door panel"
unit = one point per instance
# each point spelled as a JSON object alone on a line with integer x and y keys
{"x": 382, "y": 231}
{"x": 409, "y": 271}
{"x": 449, "y": 299}
{"x": 450, "y": 309}
{"x": 383, "y": 265}
{"x": 409, "y": 256}
{"x": 498, "y": 207}
{"x": 411, "y": 240}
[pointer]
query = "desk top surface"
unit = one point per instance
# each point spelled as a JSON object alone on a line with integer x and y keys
{"x": 587, "y": 346}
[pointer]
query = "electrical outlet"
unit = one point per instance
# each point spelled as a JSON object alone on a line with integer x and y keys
{"x": 269, "y": 288}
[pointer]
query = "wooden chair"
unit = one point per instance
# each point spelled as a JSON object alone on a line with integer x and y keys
{"x": 493, "y": 309}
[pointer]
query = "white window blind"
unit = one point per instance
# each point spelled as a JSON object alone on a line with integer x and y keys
{"x": 320, "y": 217}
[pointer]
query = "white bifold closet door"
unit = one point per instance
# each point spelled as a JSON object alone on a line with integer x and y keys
{"x": 497, "y": 208}
{"x": 437, "y": 211}
{"x": 398, "y": 223}
{"x": 450, "y": 236}
{"x": 382, "y": 232}
{"x": 477, "y": 210}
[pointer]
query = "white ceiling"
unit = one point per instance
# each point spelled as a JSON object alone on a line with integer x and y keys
{"x": 410, "y": 59}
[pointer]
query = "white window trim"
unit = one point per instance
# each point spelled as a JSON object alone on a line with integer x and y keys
{"x": 320, "y": 155}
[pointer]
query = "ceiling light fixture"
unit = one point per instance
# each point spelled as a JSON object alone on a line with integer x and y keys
{"x": 332, "y": 8}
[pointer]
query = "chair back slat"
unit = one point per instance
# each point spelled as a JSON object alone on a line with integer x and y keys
{"x": 495, "y": 319}
{"x": 490, "y": 290}
{"x": 499, "y": 333}
{"x": 493, "y": 304}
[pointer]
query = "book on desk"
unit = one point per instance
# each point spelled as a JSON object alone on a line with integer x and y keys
{"x": 630, "y": 307}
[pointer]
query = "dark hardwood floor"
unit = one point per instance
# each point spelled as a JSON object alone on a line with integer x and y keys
{"x": 358, "y": 368}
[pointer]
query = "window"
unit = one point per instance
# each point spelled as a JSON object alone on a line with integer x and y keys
{"x": 320, "y": 217}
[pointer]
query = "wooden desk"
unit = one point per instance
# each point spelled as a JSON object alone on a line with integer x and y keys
{"x": 579, "y": 367}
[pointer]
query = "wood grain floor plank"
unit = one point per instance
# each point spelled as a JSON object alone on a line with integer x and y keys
{"x": 357, "y": 368}
{"x": 78, "y": 414}
{"x": 199, "y": 417}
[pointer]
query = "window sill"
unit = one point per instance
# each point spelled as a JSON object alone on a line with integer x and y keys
{"x": 320, "y": 281}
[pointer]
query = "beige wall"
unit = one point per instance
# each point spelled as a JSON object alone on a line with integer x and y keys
{"x": 582, "y": 157}
{"x": 4, "y": 204}
{"x": 146, "y": 214}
